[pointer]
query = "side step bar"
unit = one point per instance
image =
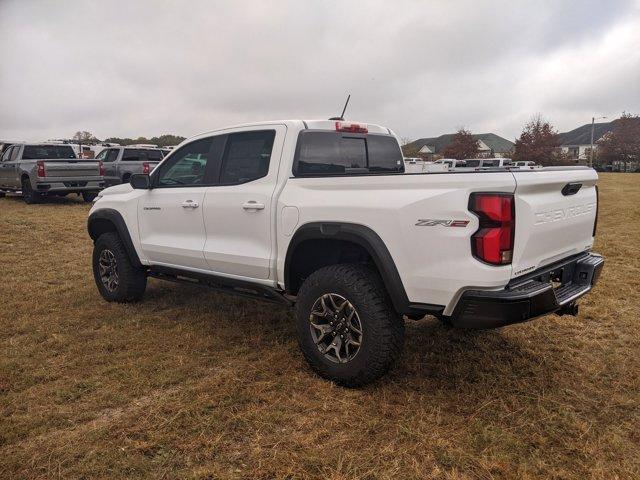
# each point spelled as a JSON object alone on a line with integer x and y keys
{"x": 221, "y": 284}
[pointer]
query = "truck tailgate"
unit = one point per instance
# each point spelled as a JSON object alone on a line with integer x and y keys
{"x": 552, "y": 220}
{"x": 71, "y": 168}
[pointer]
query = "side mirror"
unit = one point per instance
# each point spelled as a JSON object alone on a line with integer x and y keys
{"x": 140, "y": 181}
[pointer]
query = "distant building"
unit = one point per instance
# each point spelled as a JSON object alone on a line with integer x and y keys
{"x": 490, "y": 145}
{"x": 577, "y": 142}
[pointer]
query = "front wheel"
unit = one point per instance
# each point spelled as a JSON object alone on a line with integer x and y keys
{"x": 89, "y": 196}
{"x": 347, "y": 329}
{"x": 117, "y": 279}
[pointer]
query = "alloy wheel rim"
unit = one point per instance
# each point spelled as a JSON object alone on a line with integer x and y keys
{"x": 108, "y": 269}
{"x": 335, "y": 328}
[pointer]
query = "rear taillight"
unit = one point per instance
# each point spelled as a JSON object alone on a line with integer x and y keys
{"x": 493, "y": 241}
{"x": 101, "y": 168}
{"x": 145, "y": 168}
{"x": 351, "y": 127}
{"x": 595, "y": 222}
{"x": 41, "y": 172}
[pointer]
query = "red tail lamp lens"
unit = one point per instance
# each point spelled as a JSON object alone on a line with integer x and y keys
{"x": 493, "y": 242}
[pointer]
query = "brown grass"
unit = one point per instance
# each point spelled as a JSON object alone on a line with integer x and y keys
{"x": 192, "y": 384}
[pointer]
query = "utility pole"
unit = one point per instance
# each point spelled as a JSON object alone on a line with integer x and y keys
{"x": 593, "y": 126}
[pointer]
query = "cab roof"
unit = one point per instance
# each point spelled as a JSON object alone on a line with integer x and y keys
{"x": 329, "y": 125}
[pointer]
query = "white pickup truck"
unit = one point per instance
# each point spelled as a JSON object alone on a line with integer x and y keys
{"x": 320, "y": 215}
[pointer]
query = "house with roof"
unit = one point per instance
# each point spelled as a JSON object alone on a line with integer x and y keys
{"x": 576, "y": 143}
{"x": 490, "y": 145}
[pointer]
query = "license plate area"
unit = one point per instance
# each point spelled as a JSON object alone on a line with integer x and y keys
{"x": 559, "y": 276}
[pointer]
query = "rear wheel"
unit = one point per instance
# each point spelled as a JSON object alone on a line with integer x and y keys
{"x": 347, "y": 329}
{"x": 89, "y": 196}
{"x": 117, "y": 279}
{"x": 28, "y": 194}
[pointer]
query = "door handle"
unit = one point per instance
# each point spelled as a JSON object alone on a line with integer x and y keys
{"x": 253, "y": 205}
{"x": 190, "y": 204}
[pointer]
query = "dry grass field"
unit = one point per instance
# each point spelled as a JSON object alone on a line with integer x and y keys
{"x": 193, "y": 384}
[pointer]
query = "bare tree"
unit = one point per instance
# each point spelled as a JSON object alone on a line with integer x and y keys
{"x": 462, "y": 145}
{"x": 84, "y": 137}
{"x": 622, "y": 144}
{"x": 538, "y": 142}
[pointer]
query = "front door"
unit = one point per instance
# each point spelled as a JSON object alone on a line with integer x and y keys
{"x": 9, "y": 167}
{"x": 238, "y": 213}
{"x": 172, "y": 230}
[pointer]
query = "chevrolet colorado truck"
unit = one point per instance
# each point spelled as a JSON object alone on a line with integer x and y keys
{"x": 43, "y": 169}
{"x": 320, "y": 215}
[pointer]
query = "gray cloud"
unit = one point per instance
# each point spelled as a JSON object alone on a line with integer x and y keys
{"x": 422, "y": 68}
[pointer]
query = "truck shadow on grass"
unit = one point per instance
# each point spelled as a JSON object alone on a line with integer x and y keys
{"x": 442, "y": 357}
{"x": 71, "y": 199}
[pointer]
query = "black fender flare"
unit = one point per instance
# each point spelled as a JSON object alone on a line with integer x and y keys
{"x": 371, "y": 242}
{"x": 96, "y": 226}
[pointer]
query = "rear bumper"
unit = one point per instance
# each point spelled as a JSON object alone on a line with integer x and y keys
{"x": 69, "y": 185}
{"x": 530, "y": 296}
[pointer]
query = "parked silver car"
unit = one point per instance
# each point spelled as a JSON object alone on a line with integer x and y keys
{"x": 37, "y": 169}
{"x": 122, "y": 162}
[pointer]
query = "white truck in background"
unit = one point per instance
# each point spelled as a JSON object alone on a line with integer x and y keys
{"x": 418, "y": 165}
{"x": 321, "y": 215}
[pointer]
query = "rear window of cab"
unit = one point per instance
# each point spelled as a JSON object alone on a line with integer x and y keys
{"x": 320, "y": 153}
{"x": 142, "y": 155}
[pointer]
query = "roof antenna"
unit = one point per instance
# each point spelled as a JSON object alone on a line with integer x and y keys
{"x": 341, "y": 117}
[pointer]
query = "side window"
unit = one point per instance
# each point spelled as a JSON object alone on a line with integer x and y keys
{"x": 152, "y": 155}
{"x": 131, "y": 155}
{"x": 247, "y": 156}
{"x": 473, "y": 163}
{"x": 14, "y": 152}
{"x": 112, "y": 155}
{"x": 7, "y": 154}
{"x": 102, "y": 155}
{"x": 187, "y": 166}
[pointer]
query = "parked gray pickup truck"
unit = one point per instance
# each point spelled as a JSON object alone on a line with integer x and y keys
{"x": 122, "y": 162}
{"x": 38, "y": 169}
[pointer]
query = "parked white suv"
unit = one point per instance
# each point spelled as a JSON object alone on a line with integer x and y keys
{"x": 319, "y": 214}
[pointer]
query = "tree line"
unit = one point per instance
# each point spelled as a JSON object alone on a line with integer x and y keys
{"x": 166, "y": 140}
{"x": 540, "y": 142}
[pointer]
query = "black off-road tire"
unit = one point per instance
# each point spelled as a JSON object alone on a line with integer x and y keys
{"x": 28, "y": 194}
{"x": 132, "y": 281}
{"x": 382, "y": 328}
{"x": 89, "y": 196}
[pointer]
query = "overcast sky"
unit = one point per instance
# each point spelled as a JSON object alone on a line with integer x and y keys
{"x": 132, "y": 68}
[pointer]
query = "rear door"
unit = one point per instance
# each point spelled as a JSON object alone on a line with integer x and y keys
{"x": 555, "y": 215}
{"x": 172, "y": 231}
{"x": 110, "y": 162}
{"x": 238, "y": 211}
